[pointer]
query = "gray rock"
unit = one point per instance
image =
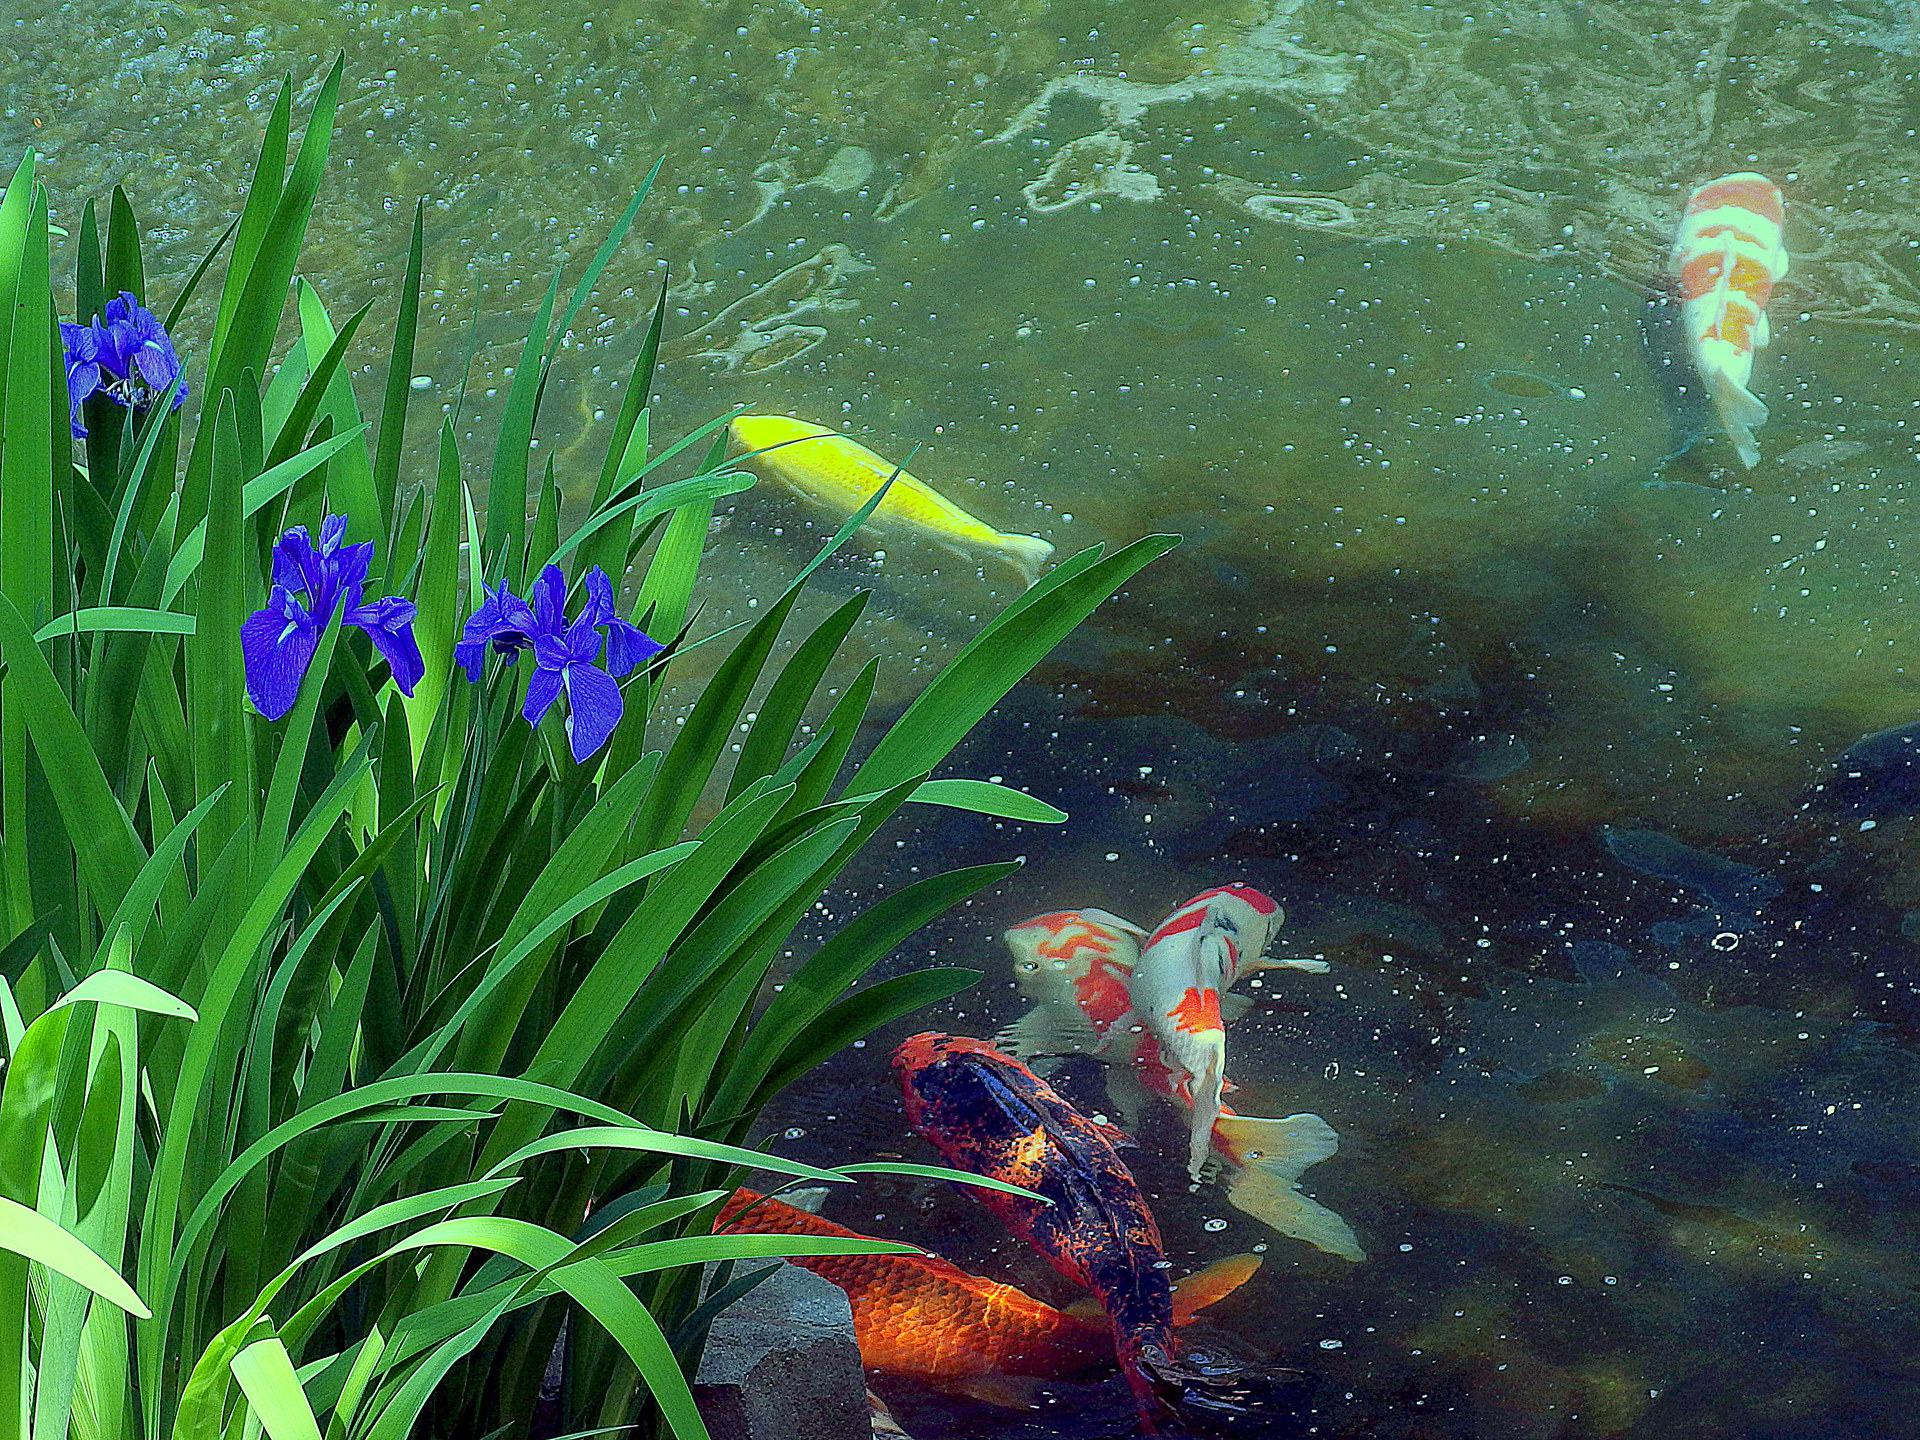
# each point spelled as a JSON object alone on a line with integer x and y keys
{"x": 781, "y": 1363}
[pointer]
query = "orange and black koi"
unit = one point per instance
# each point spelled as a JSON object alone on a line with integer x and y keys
{"x": 920, "y": 1316}
{"x": 989, "y": 1114}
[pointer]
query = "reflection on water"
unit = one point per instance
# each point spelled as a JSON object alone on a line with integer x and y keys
{"x": 1479, "y": 654}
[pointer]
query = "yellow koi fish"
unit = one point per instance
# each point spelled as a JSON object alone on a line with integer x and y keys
{"x": 841, "y": 475}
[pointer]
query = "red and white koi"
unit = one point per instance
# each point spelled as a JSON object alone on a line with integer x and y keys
{"x": 1264, "y": 1160}
{"x": 1194, "y": 955}
{"x": 1075, "y": 965}
{"x": 1726, "y": 259}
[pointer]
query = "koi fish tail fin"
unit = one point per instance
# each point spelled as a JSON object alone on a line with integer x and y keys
{"x": 1272, "y": 1154}
{"x": 1742, "y": 412}
{"x": 1028, "y": 554}
{"x": 1215, "y": 1283}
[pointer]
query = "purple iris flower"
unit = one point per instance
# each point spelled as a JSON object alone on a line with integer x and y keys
{"x": 309, "y": 584}
{"x": 565, "y": 654}
{"x": 124, "y": 354}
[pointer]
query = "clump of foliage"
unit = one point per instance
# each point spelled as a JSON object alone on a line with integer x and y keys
{"x": 348, "y": 1051}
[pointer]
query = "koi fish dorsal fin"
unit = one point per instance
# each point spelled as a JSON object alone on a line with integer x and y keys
{"x": 1108, "y": 918}
{"x": 1214, "y": 1283}
{"x": 1218, "y": 962}
{"x": 1206, "y": 1080}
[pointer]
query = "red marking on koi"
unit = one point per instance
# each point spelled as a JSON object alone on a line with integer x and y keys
{"x": 1759, "y": 196}
{"x": 1102, "y": 995}
{"x": 1064, "y": 949}
{"x": 1197, "y": 1011}
{"x": 1190, "y": 919}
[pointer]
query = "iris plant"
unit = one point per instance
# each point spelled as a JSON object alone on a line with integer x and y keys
{"x": 309, "y": 584}
{"x": 565, "y": 653}
{"x": 124, "y": 354}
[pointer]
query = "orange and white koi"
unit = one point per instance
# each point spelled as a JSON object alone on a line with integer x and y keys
{"x": 1264, "y": 1160}
{"x": 1075, "y": 965}
{"x": 1191, "y": 957}
{"x": 1726, "y": 259}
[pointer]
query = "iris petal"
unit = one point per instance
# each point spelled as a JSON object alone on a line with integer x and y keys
{"x": 157, "y": 364}
{"x": 549, "y": 598}
{"x": 389, "y": 624}
{"x": 296, "y": 565}
{"x": 347, "y": 567}
{"x": 277, "y": 645}
{"x": 542, "y": 690}
{"x": 600, "y": 607}
{"x": 504, "y": 620}
{"x": 628, "y": 645}
{"x": 594, "y": 708}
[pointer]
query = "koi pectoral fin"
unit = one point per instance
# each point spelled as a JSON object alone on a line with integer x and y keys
{"x": 1048, "y": 1030}
{"x": 1009, "y": 1392}
{"x": 1214, "y": 1283}
{"x": 1121, "y": 1029}
{"x": 1232, "y": 1007}
{"x": 1275, "y": 962}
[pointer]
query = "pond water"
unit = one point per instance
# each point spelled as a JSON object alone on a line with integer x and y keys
{"x": 1539, "y": 713}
